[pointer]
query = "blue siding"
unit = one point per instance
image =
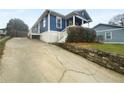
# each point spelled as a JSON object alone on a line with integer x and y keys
{"x": 117, "y": 35}
{"x": 53, "y": 24}
{"x": 43, "y": 29}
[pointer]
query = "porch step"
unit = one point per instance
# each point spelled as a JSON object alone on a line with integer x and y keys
{"x": 63, "y": 38}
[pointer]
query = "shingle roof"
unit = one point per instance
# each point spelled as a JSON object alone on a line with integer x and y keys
{"x": 108, "y": 25}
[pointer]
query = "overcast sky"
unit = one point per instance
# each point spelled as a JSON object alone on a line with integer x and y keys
{"x": 29, "y": 16}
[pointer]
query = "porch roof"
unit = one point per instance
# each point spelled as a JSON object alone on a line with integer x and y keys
{"x": 81, "y": 14}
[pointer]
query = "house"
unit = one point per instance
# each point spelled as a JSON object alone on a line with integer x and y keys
{"x": 110, "y": 33}
{"x": 50, "y": 26}
{"x": 3, "y": 32}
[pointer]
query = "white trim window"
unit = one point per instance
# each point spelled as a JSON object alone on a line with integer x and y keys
{"x": 108, "y": 35}
{"x": 59, "y": 22}
{"x": 44, "y": 22}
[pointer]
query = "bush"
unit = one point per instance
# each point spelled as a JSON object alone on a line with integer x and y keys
{"x": 2, "y": 44}
{"x": 80, "y": 34}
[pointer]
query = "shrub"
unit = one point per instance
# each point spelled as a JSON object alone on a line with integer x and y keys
{"x": 2, "y": 44}
{"x": 80, "y": 34}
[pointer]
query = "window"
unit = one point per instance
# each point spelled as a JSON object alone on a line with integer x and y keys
{"x": 108, "y": 35}
{"x": 70, "y": 22}
{"x": 82, "y": 13}
{"x": 44, "y": 22}
{"x": 58, "y": 22}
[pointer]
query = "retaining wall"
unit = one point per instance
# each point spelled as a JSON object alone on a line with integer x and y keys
{"x": 112, "y": 61}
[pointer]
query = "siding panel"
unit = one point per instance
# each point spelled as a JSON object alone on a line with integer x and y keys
{"x": 53, "y": 24}
{"x": 117, "y": 36}
{"x": 43, "y": 29}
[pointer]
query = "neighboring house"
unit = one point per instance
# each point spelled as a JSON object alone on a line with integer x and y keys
{"x": 110, "y": 33}
{"x": 3, "y": 32}
{"x": 51, "y": 25}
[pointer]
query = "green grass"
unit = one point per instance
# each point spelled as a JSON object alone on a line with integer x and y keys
{"x": 2, "y": 44}
{"x": 113, "y": 48}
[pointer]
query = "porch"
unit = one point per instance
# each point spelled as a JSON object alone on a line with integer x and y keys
{"x": 76, "y": 21}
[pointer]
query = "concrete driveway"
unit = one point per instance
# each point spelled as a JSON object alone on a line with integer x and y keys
{"x": 27, "y": 60}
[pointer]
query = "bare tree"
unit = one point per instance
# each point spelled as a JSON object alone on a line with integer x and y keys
{"x": 117, "y": 20}
{"x": 15, "y": 26}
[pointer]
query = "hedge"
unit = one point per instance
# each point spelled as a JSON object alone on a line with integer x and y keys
{"x": 80, "y": 34}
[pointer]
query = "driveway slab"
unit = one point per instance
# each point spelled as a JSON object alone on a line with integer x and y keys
{"x": 27, "y": 60}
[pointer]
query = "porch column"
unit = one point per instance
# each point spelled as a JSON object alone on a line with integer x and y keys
{"x": 82, "y": 22}
{"x": 88, "y": 25}
{"x": 48, "y": 22}
{"x": 73, "y": 20}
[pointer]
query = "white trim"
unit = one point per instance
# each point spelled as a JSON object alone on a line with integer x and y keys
{"x": 110, "y": 35}
{"x": 82, "y": 18}
{"x": 73, "y": 20}
{"x": 44, "y": 22}
{"x": 60, "y": 22}
{"x": 54, "y": 31}
{"x": 48, "y": 22}
{"x": 109, "y": 30}
{"x": 35, "y": 33}
{"x": 82, "y": 22}
{"x": 113, "y": 42}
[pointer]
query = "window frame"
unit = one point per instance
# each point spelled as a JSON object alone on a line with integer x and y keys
{"x": 106, "y": 35}
{"x": 57, "y": 22}
{"x": 82, "y": 14}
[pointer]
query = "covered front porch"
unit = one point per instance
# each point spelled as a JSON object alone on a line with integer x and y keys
{"x": 76, "y": 21}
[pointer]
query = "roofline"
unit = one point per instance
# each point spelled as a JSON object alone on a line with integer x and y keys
{"x": 45, "y": 13}
{"x": 73, "y": 12}
{"x": 110, "y": 30}
{"x": 39, "y": 18}
{"x": 58, "y": 14}
{"x": 3, "y": 29}
{"x": 107, "y": 25}
{"x": 90, "y": 19}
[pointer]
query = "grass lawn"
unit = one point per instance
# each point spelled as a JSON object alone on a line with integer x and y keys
{"x": 113, "y": 48}
{"x": 2, "y": 44}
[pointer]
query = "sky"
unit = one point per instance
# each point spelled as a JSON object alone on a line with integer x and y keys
{"x": 29, "y": 16}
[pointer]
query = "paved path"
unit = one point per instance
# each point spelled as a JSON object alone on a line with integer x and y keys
{"x": 27, "y": 60}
